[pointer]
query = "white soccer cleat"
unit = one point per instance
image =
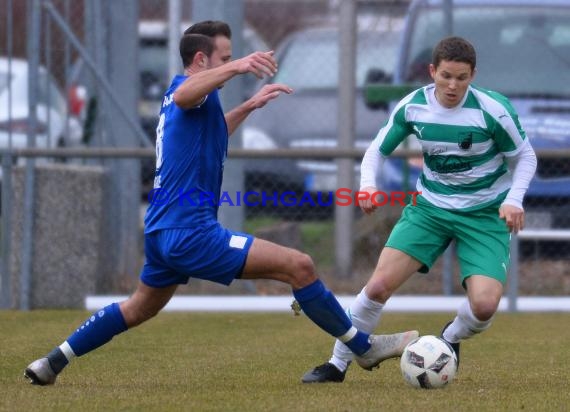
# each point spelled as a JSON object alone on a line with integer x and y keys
{"x": 385, "y": 347}
{"x": 39, "y": 372}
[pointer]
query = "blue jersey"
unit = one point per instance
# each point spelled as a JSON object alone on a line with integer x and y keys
{"x": 191, "y": 148}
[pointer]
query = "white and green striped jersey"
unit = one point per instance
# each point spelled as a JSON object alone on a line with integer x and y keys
{"x": 464, "y": 148}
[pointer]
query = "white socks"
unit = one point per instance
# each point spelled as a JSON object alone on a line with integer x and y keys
{"x": 365, "y": 315}
{"x": 67, "y": 351}
{"x": 465, "y": 324}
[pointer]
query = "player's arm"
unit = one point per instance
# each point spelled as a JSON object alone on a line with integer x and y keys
{"x": 268, "y": 92}
{"x": 512, "y": 141}
{"x": 386, "y": 141}
{"x": 523, "y": 167}
{"x": 372, "y": 163}
{"x": 196, "y": 87}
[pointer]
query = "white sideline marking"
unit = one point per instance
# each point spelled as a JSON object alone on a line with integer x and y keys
{"x": 405, "y": 303}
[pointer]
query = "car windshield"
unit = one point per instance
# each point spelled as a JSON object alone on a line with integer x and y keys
{"x": 311, "y": 61}
{"x": 520, "y": 50}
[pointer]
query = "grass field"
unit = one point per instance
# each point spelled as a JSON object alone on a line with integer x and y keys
{"x": 253, "y": 362}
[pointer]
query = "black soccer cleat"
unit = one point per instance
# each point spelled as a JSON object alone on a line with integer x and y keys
{"x": 454, "y": 346}
{"x": 326, "y": 372}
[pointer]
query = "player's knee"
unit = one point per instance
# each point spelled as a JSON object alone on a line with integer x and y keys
{"x": 484, "y": 308}
{"x": 135, "y": 315}
{"x": 378, "y": 289}
{"x": 303, "y": 269}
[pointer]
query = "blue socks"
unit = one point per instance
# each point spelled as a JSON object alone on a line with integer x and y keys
{"x": 318, "y": 303}
{"x": 321, "y": 306}
{"x": 99, "y": 329}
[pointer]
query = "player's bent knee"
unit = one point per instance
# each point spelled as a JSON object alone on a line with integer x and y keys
{"x": 135, "y": 314}
{"x": 484, "y": 309}
{"x": 303, "y": 269}
{"x": 379, "y": 290}
{"x": 305, "y": 264}
{"x": 143, "y": 315}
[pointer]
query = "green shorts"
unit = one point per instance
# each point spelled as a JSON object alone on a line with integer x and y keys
{"x": 482, "y": 239}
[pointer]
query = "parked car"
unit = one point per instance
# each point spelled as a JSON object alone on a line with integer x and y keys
{"x": 309, "y": 63}
{"x": 54, "y": 126}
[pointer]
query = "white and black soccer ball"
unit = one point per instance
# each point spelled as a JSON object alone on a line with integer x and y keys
{"x": 428, "y": 362}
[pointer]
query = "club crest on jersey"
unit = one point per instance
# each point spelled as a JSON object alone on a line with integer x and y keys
{"x": 465, "y": 141}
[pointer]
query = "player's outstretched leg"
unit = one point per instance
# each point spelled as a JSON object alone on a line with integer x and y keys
{"x": 99, "y": 329}
{"x": 321, "y": 306}
{"x": 365, "y": 315}
{"x": 382, "y": 347}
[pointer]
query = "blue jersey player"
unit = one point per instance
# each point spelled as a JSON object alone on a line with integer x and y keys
{"x": 183, "y": 238}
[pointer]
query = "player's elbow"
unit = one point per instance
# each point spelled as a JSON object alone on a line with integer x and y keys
{"x": 185, "y": 100}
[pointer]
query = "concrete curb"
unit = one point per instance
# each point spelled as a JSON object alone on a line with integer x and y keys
{"x": 406, "y": 303}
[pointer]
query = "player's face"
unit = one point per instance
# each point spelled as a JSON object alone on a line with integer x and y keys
{"x": 451, "y": 81}
{"x": 222, "y": 52}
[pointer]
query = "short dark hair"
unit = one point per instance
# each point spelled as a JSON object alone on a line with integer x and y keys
{"x": 190, "y": 44}
{"x": 455, "y": 49}
{"x": 210, "y": 28}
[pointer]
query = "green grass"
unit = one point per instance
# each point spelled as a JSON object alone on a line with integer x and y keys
{"x": 253, "y": 362}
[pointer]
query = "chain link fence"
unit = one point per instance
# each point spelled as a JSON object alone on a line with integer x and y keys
{"x": 94, "y": 94}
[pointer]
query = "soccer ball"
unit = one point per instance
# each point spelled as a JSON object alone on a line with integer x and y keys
{"x": 428, "y": 362}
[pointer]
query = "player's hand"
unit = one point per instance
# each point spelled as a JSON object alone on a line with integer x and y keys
{"x": 261, "y": 64}
{"x": 366, "y": 205}
{"x": 267, "y": 93}
{"x": 513, "y": 216}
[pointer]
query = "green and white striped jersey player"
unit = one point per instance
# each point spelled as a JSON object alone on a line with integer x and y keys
{"x": 465, "y": 148}
{"x": 478, "y": 164}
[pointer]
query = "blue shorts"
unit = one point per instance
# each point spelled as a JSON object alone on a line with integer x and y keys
{"x": 213, "y": 253}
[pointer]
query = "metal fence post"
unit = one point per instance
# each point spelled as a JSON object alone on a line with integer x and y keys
{"x": 33, "y": 46}
{"x": 125, "y": 186}
{"x": 344, "y": 215}
{"x": 6, "y": 299}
